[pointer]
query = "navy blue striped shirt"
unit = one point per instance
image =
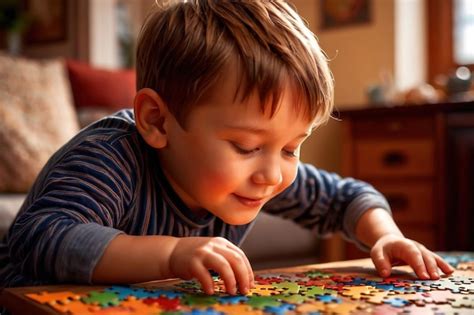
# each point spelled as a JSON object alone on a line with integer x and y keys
{"x": 107, "y": 181}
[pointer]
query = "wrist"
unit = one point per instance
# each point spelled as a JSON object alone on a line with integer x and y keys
{"x": 167, "y": 268}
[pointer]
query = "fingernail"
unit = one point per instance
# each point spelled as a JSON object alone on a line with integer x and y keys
{"x": 424, "y": 274}
{"x": 384, "y": 272}
{"x": 435, "y": 275}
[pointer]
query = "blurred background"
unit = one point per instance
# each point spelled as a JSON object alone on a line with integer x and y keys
{"x": 403, "y": 97}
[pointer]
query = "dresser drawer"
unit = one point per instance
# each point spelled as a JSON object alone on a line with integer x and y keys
{"x": 394, "y": 127}
{"x": 404, "y": 157}
{"x": 411, "y": 201}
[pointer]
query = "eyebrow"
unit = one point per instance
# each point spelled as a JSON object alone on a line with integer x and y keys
{"x": 260, "y": 131}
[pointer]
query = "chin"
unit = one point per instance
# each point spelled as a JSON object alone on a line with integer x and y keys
{"x": 239, "y": 219}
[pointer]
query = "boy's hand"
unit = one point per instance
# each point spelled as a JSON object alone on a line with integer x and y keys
{"x": 392, "y": 250}
{"x": 192, "y": 257}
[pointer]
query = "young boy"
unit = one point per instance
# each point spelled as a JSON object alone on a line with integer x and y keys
{"x": 227, "y": 93}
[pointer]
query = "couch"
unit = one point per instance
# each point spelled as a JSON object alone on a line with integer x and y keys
{"x": 44, "y": 103}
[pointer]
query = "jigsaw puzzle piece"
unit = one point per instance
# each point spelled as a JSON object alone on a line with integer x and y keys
{"x": 317, "y": 274}
{"x": 279, "y": 310}
{"x": 340, "y": 309}
{"x": 263, "y": 290}
{"x": 356, "y": 292}
{"x": 260, "y": 302}
{"x": 199, "y": 300}
{"x": 232, "y": 299}
{"x": 312, "y": 307}
{"x": 237, "y": 309}
{"x": 125, "y": 291}
{"x": 287, "y": 287}
{"x": 114, "y": 310}
{"x": 397, "y": 302}
{"x": 454, "y": 284}
{"x": 464, "y": 301}
{"x": 328, "y": 299}
{"x": 75, "y": 307}
{"x": 138, "y": 307}
{"x": 292, "y": 298}
{"x": 102, "y": 298}
{"x": 164, "y": 303}
{"x": 53, "y": 297}
{"x": 385, "y": 309}
{"x": 439, "y": 297}
{"x": 445, "y": 309}
{"x": 208, "y": 311}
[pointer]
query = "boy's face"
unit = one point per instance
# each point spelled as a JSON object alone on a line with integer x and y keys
{"x": 231, "y": 158}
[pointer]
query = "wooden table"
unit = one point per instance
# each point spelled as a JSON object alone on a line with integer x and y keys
{"x": 16, "y": 302}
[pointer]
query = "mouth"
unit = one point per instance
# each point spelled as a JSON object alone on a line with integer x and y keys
{"x": 250, "y": 202}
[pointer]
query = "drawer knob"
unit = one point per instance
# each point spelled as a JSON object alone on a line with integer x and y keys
{"x": 394, "y": 158}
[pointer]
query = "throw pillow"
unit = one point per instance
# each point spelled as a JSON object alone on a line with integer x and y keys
{"x": 95, "y": 87}
{"x": 36, "y": 118}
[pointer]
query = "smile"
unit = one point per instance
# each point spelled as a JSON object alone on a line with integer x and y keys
{"x": 250, "y": 202}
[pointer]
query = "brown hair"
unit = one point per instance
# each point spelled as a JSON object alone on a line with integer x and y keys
{"x": 184, "y": 48}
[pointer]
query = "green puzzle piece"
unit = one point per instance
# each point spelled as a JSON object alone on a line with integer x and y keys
{"x": 316, "y": 274}
{"x": 287, "y": 287}
{"x": 291, "y": 298}
{"x": 102, "y": 298}
{"x": 200, "y": 299}
{"x": 261, "y": 301}
{"x": 315, "y": 290}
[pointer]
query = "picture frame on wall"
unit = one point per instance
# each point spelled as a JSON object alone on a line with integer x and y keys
{"x": 343, "y": 13}
{"x": 48, "y": 21}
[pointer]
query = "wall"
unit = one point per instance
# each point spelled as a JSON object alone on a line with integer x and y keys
{"x": 358, "y": 56}
{"x": 76, "y": 44}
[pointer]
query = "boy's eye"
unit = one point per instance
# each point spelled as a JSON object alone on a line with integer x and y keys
{"x": 242, "y": 150}
{"x": 291, "y": 153}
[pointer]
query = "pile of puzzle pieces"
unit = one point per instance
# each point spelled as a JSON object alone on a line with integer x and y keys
{"x": 311, "y": 291}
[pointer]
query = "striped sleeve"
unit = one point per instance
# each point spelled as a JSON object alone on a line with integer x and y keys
{"x": 326, "y": 202}
{"x": 74, "y": 215}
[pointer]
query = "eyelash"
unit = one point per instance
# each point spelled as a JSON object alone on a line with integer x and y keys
{"x": 242, "y": 151}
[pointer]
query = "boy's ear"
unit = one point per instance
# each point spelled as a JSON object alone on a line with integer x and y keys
{"x": 151, "y": 114}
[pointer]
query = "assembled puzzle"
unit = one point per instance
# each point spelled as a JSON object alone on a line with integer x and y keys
{"x": 348, "y": 290}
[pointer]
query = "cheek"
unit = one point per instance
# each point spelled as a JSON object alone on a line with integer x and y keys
{"x": 288, "y": 174}
{"x": 220, "y": 176}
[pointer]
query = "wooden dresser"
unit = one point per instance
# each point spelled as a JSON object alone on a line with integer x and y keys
{"x": 421, "y": 158}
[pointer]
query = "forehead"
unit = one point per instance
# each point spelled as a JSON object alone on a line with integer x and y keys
{"x": 223, "y": 111}
{"x": 229, "y": 93}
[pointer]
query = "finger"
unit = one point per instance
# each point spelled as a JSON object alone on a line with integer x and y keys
{"x": 239, "y": 267}
{"x": 220, "y": 264}
{"x": 249, "y": 266}
{"x": 430, "y": 263}
{"x": 414, "y": 258}
{"x": 381, "y": 262}
{"x": 443, "y": 265}
{"x": 202, "y": 275}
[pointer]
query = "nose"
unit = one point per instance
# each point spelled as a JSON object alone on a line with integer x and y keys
{"x": 269, "y": 172}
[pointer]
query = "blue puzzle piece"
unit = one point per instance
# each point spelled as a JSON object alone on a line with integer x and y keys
{"x": 279, "y": 310}
{"x": 208, "y": 311}
{"x": 361, "y": 281}
{"x": 388, "y": 287}
{"x": 124, "y": 291}
{"x": 328, "y": 299}
{"x": 232, "y": 299}
{"x": 397, "y": 302}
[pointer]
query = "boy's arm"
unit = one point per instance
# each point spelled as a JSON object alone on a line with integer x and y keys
{"x": 377, "y": 230}
{"x": 132, "y": 259}
{"x": 326, "y": 202}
